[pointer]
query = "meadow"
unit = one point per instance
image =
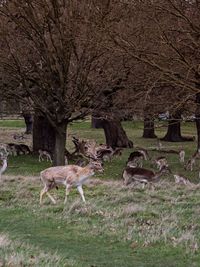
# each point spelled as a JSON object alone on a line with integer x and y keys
{"x": 119, "y": 226}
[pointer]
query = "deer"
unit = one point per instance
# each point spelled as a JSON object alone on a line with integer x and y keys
{"x": 180, "y": 179}
{"x": 182, "y": 155}
{"x": 105, "y": 154}
{"x": 160, "y": 162}
{"x": 44, "y": 153}
{"x": 3, "y": 158}
{"x": 142, "y": 175}
{"x": 159, "y": 144}
{"x": 191, "y": 162}
{"x": 135, "y": 159}
{"x": 68, "y": 176}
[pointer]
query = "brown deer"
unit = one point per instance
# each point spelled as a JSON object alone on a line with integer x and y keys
{"x": 143, "y": 175}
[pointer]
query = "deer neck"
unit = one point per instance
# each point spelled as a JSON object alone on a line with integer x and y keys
{"x": 4, "y": 166}
{"x": 158, "y": 175}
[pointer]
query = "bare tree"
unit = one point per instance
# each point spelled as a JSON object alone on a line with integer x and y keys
{"x": 52, "y": 52}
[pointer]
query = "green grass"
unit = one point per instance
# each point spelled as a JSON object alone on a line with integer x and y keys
{"x": 118, "y": 226}
{"x": 12, "y": 123}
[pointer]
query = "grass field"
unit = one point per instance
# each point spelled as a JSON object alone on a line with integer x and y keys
{"x": 118, "y": 225}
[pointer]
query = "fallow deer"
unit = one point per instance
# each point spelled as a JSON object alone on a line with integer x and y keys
{"x": 159, "y": 144}
{"x": 68, "y": 176}
{"x": 182, "y": 155}
{"x": 44, "y": 154}
{"x": 142, "y": 175}
{"x": 191, "y": 162}
{"x": 180, "y": 179}
{"x": 135, "y": 159}
{"x": 105, "y": 154}
{"x": 160, "y": 162}
{"x": 4, "y": 164}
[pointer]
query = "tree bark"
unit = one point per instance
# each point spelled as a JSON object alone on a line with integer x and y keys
{"x": 149, "y": 130}
{"x": 115, "y": 134}
{"x": 60, "y": 143}
{"x": 43, "y": 134}
{"x": 197, "y": 119}
{"x": 174, "y": 129}
{"x": 28, "y": 118}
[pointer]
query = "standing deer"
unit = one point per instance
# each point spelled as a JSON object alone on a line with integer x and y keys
{"x": 68, "y": 176}
{"x": 182, "y": 155}
{"x": 4, "y": 165}
{"x": 44, "y": 153}
{"x": 191, "y": 162}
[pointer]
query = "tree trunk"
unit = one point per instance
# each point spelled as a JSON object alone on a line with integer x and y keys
{"x": 115, "y": 134}
{"x": 197, "y": 119}
{"x": 149, "y": 131}
{"x": 96, "y": 123}
{"x": 28, "y": 118}
{"x": 43, "y": 134}
{"x": 59, "y": 151}
{"x": 174, "y": 130}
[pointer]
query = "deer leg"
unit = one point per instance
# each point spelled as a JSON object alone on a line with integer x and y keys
{"x": 67, "y": 193}
{"x": 50, "y": 159}
{"x": 52, "y": 199}
{"x": 42, "y": 193}
{"x": 80, "y": 190}
{"x": 45, "y": 191}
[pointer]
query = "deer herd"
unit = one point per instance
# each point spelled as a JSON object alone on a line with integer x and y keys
{"x": 88, "y": 158}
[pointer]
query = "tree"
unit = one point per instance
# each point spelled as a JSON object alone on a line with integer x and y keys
{"x": 165, "y": 37}
{"x": 51, "y": 51}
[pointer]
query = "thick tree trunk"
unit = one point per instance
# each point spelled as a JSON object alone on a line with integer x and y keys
{"x": 43, "y": 134}
{"x": 28, "y": 118}
{"x": 197, "y": 120}
{"x": 149, "y": 131}
{"x": 115, "y": 134}
{"x": 174, "y": 130}
{"x": 59, "y": 151}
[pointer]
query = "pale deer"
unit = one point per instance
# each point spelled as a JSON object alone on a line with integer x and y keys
{"x": 143, "y": 176}
{"x": 4, "y": 164}
{"x": 159, "y": 144}
{"x": 44, "y": 153}
{"x": 182, "y": 155}
{"x": 68, "y": 176}
{"x": 180, "y": 179}
{"x": 160, "y": 162}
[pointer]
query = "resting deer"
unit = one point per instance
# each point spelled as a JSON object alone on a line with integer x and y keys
{"x": 180, "y": 179}
{"x": 160, "y": 162}
{"x": 68, "y": 176}
{"x": 105, "y": 154}
{"x": 142, "y": 175}
{"x": 44, "y": 153}
{"x": 135, "y": 159}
